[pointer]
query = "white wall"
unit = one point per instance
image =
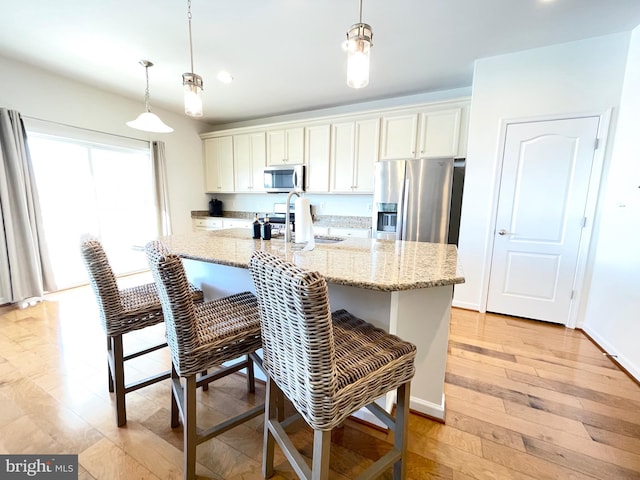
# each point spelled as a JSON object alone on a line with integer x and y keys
{"x": 42, "y": 95}
{"x": 576, "y": 77}
{"x": 612, "y": 313}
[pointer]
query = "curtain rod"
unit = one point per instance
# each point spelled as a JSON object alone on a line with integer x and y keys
{"x": 85, "y": 129}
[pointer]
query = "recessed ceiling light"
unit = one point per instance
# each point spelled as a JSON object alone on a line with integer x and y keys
{"x": 225, "y": 77}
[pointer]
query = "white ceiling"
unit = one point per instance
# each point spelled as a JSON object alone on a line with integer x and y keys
{"x": 286, "y": 55}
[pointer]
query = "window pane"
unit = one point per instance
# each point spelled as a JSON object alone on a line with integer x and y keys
{"x": 68, "y": 204}
{"x": 86, "y": 188}
{"x": 126, "y": 208}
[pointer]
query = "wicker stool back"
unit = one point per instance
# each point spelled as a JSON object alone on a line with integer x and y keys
{"x": 329, "y": 365}
{"x": 203, "y": 337}
{"x": 123, "y": 311}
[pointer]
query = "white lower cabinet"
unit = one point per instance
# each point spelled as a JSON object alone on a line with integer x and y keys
{"x": 236, "y": 223}
{"x": 207, "y": 223}
{"x": 350, "y": 232}
{"x": 217, "y": 223}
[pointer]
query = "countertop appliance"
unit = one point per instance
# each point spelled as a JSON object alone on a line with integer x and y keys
{"x": 278, "y": 215}
{"x": 284, "y": 178}
{"x": 215, "y": 207}
{"x": 412, "y": 199}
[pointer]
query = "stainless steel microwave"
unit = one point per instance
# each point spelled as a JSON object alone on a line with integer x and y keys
{"x": 284, "y": 178}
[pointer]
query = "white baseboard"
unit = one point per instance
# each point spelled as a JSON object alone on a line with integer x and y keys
{"x": 465, "y": 305}
{"x": 428, "y": 408}
{"x": 619, "y": 357}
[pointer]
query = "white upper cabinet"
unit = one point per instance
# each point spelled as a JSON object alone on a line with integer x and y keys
{"x": 249, "y": 158}
{"x": 339, "y": 151}
{"x": 354, "y": 151}
{"x": 285, "y": 146}
{"x": 399, "y": 134}
{"x": 432, "y": 133}
{"x": 439, "y": 133}
{"x": 317, "y": 155}
{"x": 218, "y": 166}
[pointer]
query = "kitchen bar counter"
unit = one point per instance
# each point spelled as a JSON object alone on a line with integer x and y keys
{"x": 357, "y": 262}
{"x": 402, "y": 287}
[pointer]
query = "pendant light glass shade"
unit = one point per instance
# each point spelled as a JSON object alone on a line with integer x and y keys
{"x": 192, "y": 83}
{"x": 147, "y": 121}
{"x": 192, "y": 94}
{"x": 359, "y": 43}
{"x": 358, "y": 55}
{"x": 150, "y": 122}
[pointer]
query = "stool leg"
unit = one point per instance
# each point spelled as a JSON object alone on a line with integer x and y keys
{"x": 321, "y": 450}
{"x": 118, "y": 366}
{"x": 251, "y": 382}
{"x": 402, "y": 431}
{"x": 205, "y": 387}
{"x": 269, "y": 442}
{"x": 176, "y": 391}
{"x": 189, "y": 425}
{"x": 109, "y": 360}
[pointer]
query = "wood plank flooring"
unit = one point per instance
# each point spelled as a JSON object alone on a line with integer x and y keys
{"x": 524, "y": 400}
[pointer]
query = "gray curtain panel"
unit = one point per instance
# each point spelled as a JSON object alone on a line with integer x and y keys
{"x": 160, "y": 183}
{"x": 25, "y": 270}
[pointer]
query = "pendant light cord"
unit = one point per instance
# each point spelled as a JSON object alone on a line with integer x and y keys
{"x": 189, "y": 16}
{"x": 360, "y": 11}
{"x": 146, "y": 90}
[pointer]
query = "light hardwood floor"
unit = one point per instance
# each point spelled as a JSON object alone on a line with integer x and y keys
{"x": 524, "y": 400}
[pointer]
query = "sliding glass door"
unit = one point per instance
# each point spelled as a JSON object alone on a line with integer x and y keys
{"x": 96, "y": 189}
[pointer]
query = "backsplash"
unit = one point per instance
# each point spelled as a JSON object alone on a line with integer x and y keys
{"x": 338, "y": 221}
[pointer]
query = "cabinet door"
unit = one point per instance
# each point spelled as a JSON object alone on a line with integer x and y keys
{"x": 285, "y": 146}
{"x": 218, "y": 154}
{"x": 399, "y": 136}
{"x": 249, "y": 160}
{"x": 440, "y": 133}
{"x": 367, "y": 136}
{"x": 295, "y": 145}
{"x": 342, "y": 157}
{"x": 206, "y": 224}
{"x": 318, "y": 146}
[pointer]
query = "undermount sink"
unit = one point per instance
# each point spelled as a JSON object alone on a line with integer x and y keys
{"x": 327, "y": 239}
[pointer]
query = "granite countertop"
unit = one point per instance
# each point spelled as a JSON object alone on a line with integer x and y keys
{"x": 360, "y": 262}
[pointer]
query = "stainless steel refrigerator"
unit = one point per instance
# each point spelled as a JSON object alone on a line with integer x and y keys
{"x": 412, "y": 199}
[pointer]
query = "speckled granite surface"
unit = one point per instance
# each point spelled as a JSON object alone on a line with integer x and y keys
{"x": 359, "y": 262}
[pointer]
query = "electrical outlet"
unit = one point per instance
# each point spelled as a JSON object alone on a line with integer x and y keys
{"x": 368, "y": 207}
{"x": 323, "y": 205}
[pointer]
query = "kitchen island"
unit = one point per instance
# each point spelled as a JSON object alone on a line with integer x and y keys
{"x": 403, "y": 287}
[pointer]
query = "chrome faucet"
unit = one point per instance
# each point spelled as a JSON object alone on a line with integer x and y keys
{"x": 287, "y": 231}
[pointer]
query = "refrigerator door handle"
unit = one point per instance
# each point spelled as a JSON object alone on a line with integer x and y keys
{"x": 404, "y": 208}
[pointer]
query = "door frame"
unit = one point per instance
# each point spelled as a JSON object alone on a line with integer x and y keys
{"x": 590, "y": 206}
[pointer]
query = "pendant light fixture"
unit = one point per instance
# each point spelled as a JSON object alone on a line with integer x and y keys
{"x": 192, "y": 82}
{"x": 359, "y": 43}
{"x": 147, "y": 121}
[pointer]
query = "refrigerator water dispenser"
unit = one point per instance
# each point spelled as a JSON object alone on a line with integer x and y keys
{"x": 387, "y": 217}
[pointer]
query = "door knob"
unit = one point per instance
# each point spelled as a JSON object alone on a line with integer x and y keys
{"x": 504, "y": 232}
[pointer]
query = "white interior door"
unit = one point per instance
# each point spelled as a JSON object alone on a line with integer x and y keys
{"x": 546, "y": 169}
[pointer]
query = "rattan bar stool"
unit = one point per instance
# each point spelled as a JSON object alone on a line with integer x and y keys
{"x": 123, "y": 311}
{"x": 201, "y": 337}
{"x": 327, "y": 364}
